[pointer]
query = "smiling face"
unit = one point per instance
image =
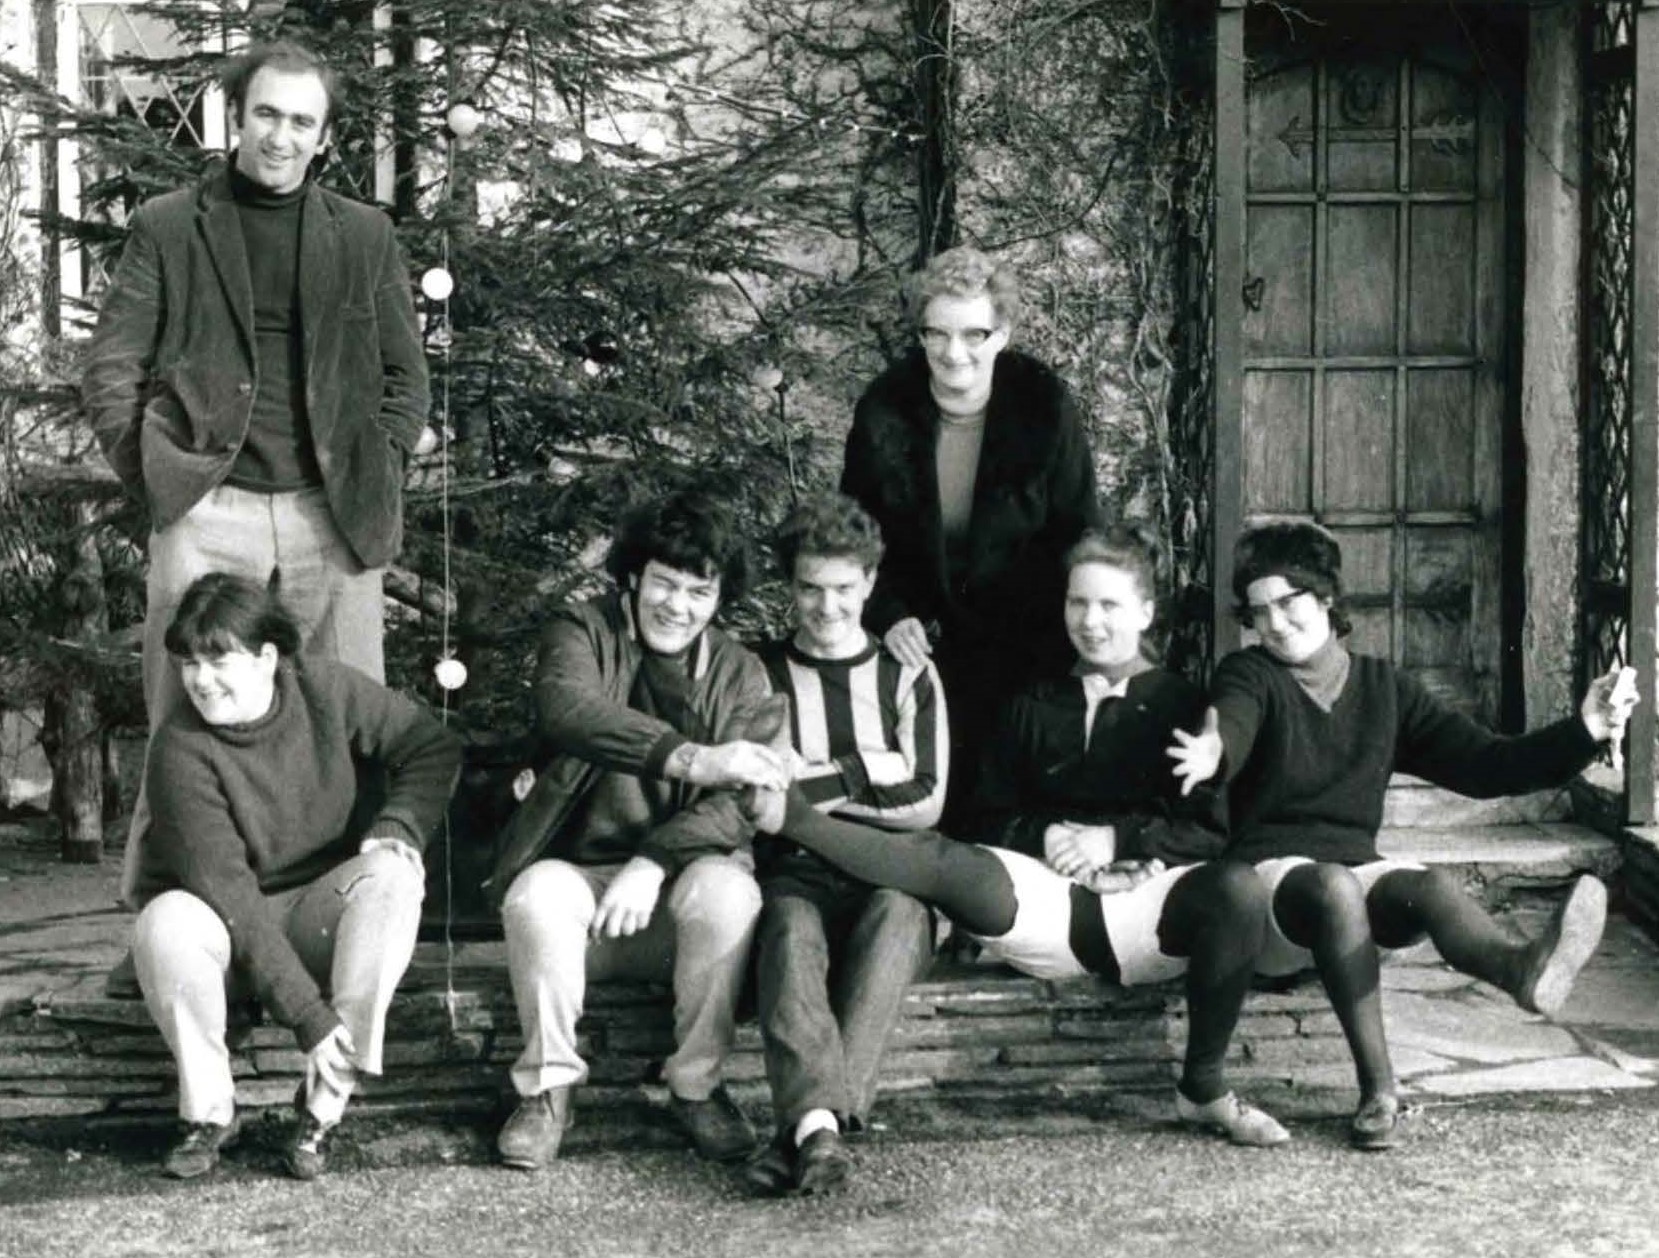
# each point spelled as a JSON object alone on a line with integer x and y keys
{"x": 1106, "y": 614}
{"x": 231, "y": 687}
{"x": 830, "y": 591}
{"x": 1291, "y": 622}
{"x": 962, "y": 337}
{"x": 673, "y": 606}
{"x": 282, "y": 126}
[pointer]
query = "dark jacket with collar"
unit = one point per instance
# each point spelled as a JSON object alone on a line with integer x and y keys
{"x": 590, "y": 654}
{"x": 1033, "y": 495}
{"x": 171, "y": 371}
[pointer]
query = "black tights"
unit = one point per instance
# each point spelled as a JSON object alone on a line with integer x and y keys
{"x": 1215, "y": 917}
{"x": 1324, "y": 909}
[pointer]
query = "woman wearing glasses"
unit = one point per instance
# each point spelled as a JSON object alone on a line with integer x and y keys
{"x": 974, "y": 460}
{"x": 1305, "y": 735}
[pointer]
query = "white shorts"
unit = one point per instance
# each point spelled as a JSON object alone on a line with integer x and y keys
{"x": 1039, "y": 941}
{"x": 1281, "y": 958}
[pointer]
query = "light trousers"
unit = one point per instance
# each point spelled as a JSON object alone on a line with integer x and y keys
{"x": 354, "y": 929}
{"x": 698, "y": 939}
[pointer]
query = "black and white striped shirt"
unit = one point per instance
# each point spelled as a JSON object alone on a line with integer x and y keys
{"x": 872, "y": 731}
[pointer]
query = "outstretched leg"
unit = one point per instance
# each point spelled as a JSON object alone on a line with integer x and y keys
{"x": 1406, "y": 904}
{"x": 967, "y": 883}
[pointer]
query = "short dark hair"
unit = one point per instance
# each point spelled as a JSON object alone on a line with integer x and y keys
{"x": 221, "y": 612}
{"x": 1304, "y": 554}
{"x": 1132, "y": 546}
{"x": 687, "y": 530}
{"x": 284, "y": 55}
{"x": 829, "y": 526}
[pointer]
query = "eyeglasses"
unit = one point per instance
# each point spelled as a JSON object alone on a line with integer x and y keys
{"x": 971, "y": 338}
{"x": 1258, "y": 612}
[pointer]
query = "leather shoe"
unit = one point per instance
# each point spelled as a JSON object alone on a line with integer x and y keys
{"x": 1376, "y": 1124}
{"x": 197, "y": 1152}
{"x": 716, "y": 1126}
{"x": 532, "y": 1135}
{"x": 771, "y": 1172}
{"x": 306, "y": 1154}
{"x": 822, "y": 1163}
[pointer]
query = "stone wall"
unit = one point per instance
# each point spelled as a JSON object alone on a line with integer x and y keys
{"x": 967, "y": 1031}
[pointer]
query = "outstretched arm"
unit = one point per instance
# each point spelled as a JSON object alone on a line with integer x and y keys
{"x": 1451, "y": 750}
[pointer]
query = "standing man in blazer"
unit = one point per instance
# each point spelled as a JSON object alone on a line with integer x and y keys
{"x": 257, "y": 380}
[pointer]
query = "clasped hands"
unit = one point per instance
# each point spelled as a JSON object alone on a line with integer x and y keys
{"x": 1088, "y": 856}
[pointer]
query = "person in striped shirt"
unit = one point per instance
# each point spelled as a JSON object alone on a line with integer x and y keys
{"x": 835, "y": 955}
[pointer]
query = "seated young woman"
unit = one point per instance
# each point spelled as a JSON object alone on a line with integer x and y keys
{"x": 1306, "y": 734}
{"x": 265, "y": 873}
{"x": 1080, "y": 814}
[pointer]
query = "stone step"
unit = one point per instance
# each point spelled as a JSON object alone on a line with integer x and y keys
{"x": 968, "y": 1030}
{"x": 1411, "y": 801}
{"x": 1501, "y": 861}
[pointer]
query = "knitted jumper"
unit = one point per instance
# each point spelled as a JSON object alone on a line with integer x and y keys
{"x": 242, "y": 811}
{"x": 1305, "y": 782}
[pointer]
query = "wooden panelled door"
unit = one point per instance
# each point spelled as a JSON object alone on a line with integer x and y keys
{"x": 1373, "y": 336}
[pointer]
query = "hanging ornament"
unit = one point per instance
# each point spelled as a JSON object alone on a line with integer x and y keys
{"x": 451, "y": 673}
{"x": 769, "y": 377}
{"x": 652, "y": 142}
{"x": 437, "y": 284}
{"x": 463, "y": 121}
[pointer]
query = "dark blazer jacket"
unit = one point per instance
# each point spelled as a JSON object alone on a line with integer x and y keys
{"x": 170, "y": 373}
{"x": 1034, "y": 495}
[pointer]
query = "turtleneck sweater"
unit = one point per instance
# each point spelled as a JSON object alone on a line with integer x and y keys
{"x": 240, "y": 812}
{"x": 1323, "y": 674}
{"x": 277, "y": 455}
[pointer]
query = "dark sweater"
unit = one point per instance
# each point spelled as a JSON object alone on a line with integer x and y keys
{"x": 1036, "y": 771}
{"x": 1305, "y": 782}
{"x": 277, "y": 455}
{"x": 239, "y": 812}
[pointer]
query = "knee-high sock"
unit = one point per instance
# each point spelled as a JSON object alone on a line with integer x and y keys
{"x": 1408, "y": 903}
{"x": 1216, "y": 917}
{"x": 1321, "y": 908}
{"x": 968, "y": 884}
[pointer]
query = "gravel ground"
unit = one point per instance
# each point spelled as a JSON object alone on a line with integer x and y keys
{"x": 1557, "y": 1176}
